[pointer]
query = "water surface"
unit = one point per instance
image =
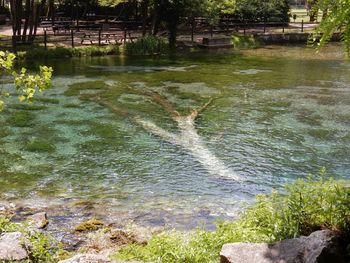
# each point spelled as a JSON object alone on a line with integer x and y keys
{"x": 273, "y": 119}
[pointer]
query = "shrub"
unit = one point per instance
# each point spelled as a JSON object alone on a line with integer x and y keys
{"x": 305, "y": 206}
{"x": 244, "y": 42}
{"x": 149, "y": 45}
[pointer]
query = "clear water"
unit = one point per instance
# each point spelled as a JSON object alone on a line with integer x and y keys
{"x": 274, "y": 119}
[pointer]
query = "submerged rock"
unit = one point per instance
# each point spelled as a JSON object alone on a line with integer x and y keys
{"x": 39, "y": 220}
{"x": 321, "y": 246}
{"x": 12, "y": 247}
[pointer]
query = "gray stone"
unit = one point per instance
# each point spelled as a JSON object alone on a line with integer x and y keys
{"x": 320, "y": 247}
{"x": 12, "y": 247}
{"x": 7, "y": 209}
{"x": 87, "y": 258}
{"x": 38, "y": 220}
{"x": 91, "y": 258}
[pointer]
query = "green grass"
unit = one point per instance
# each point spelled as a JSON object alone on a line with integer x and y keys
{"x": 66, "y": 52}
{"x": 306, "y": 206}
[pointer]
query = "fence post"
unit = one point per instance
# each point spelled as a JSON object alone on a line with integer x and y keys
{"x": 283, "y": 29}
{"x": 72, "y": 36}
{"x": 99, "y": 37}
{"x": 192, "y": 30}
{"x": 244, "y": 27}
{"x": 45, "y": 39}
{"x": 14, "y": 43}
{"x": 302, "y": 25}
{"x": 264, "y": 26}
{"x": 125, "y": 33}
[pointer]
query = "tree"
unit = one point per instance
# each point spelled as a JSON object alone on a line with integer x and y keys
{"x": 170, "y": 12}
{"x": 30, "y": 11}
{"x": 337, "y": 18}
{"x": 26, "y": 84}
{"x": 261, "y": 10}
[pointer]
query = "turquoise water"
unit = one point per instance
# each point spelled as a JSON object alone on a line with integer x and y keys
{"x": 272, "y": 119}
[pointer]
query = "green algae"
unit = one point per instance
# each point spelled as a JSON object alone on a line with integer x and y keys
{"x": 27, "y": 107}
{"x": 40, "y": 145}
{"x": 46, "y": 100}
{"x": 21, "y": 119}
{"x": 76, "y": 88}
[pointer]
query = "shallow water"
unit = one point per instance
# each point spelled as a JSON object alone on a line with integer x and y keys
{"x": 273, "y": 120}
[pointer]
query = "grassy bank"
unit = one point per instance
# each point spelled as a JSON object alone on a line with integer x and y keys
{"x": 304, "y": 207}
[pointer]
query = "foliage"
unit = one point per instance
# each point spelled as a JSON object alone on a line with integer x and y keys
{"x": 244, "y": 42}
{"x": 338, "y": 13}
{"x": 260, "y": 10}
{"x": 306, "y": 205}
{"x": 26, "y": 84}
{"x": 148, "y": 45}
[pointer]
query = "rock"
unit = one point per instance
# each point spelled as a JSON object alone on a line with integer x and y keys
{"x": 91, "y": 258}
{"x": 320, "y": 247}
{"x": 7, "y": 209}
{"x": 87, "y": 258}
{"x": 12, "y": 247}
{"x": 38, "y": 220}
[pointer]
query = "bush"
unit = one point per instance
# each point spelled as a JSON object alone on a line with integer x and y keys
{"x": 149, "y": 45}
{"x": 244, "y": 42}
{"x": 306, "y": 206}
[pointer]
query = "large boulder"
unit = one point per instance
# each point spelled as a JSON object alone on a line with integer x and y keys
{"x": 320, "y": 247}
{"x": 12, "y": 247}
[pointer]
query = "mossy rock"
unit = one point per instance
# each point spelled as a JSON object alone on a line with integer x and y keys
{"x": 21, "y": 119}
{"x": 90, "y": 225}
{"x": 39, "y": 145}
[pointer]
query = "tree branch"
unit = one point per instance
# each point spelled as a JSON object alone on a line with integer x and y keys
{"x": 194, "y": 113}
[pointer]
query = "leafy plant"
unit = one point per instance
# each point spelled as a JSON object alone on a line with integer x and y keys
{"x": 148, "y": 45}
{"x": 26, "y": 84}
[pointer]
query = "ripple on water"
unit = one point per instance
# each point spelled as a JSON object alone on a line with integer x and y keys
{"x": 266, "y": 129}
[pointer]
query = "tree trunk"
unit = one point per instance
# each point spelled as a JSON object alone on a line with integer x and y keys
{"x": 145, "y": 5}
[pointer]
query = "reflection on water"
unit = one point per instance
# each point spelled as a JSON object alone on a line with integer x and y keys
{"x": 273, "y": 120}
